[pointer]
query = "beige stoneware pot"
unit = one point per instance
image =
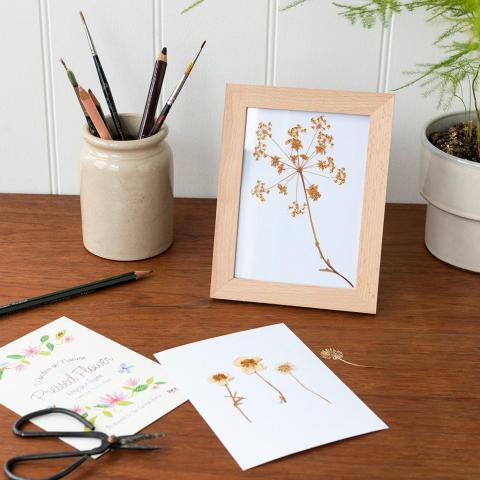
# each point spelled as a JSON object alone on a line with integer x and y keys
{"x": 451, "y": 187}
{"x": 126, "y": 194}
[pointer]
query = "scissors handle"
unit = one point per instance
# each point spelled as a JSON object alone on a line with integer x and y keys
{"x": 83, "y": 455}
{"x": 10, "y": 463}
{"x": 107, "y": 443}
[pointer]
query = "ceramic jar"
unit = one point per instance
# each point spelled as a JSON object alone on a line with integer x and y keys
{"x": 126, "y": 194}
{"x": 451, "y": 187}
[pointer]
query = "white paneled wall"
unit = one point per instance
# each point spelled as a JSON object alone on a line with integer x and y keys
{"x": 248, "y": 41}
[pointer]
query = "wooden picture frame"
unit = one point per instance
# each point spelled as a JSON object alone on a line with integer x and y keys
{"x": 378, "y": 108}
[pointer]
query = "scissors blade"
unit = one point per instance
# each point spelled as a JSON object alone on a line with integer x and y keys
{"x": 131, "y": 441}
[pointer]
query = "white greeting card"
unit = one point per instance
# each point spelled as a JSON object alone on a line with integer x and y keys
{"x": 265, "y": 394}
{"x": 65, "y": 364}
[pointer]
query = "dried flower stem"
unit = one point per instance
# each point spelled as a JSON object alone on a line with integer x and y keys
{"x": 280, "y": 394}
{"x": 236, "y": 399}
{"x": 308, "y": 389}
{"x": 280, "y": 148}
{"x": 308, "y": 149}
{"x": 317, "y": 243}
{"x": 357, "y": 364}
{"x": 288, "y": 178}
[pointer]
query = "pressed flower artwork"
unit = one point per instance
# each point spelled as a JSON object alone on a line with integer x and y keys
{"x": 286, "y": 368}
{"x": 223, "y": 379}
{"x": 301, "y": 197}
{"x": 253, "y": 366}
{"x": 265, "y": 394}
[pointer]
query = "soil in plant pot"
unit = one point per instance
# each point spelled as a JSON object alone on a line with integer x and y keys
{"x": 455, "y": 141}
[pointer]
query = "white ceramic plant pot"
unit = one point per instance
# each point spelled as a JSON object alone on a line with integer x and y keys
{"x": 126, "y": 194}
{"x": 451, "y": 187}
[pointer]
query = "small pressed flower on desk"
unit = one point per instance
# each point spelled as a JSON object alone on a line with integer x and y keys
{"x": 253, "y": 366}
{"x": 223, "y": 379}
{"x": 334, "y": 354}
{"x": 287, "y": 368}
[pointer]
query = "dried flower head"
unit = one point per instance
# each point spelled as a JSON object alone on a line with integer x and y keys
{"x": 331, "y": 354}
{"x": 295, "y": 209}
{"x": 220, "y": 378}
{"x": 295, "y": 131}
{"x": 259, "y": 190}
{"x": 285, "y": 367}
{"x": 313, "y": 192}
{"x": 249, "y": 365}
{"x": 319, "y": 123}
{"x": 341, "y": 176}
{"x": 264, "y": 130}
{"x": 282, "y": 189}
{"x": 295, "y": 143}
{"x": 320, "y": 148}
{"x": 260, "y": 151}
{"x": 275, "y": 161}
{"x": 331, "y": 164}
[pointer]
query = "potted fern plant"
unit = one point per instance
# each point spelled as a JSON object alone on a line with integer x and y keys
{"x": 450, "y": 158}
{"x": 450, "y": 151}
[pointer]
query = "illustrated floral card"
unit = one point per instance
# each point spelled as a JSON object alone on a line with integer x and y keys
{"x": 266, "y": 395}
{"x": 65, "y": 364}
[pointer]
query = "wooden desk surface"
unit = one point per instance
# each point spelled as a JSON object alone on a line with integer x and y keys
{"x": 425, "y": 335}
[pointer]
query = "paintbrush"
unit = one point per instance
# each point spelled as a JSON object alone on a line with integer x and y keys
{"x": 174, "y": 95}
{"x": 104, "y": 82}
{"x": 73, "y": 81}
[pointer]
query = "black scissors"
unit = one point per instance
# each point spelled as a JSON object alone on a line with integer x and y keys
{"x": 107, "y": 443}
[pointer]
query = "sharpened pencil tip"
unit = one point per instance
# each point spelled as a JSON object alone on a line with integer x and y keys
{"x": 83, "y": 93}
{"x": 162, "y": 56}
{"x": 64, "y": 65}
{"x": 203, "y": 44}
{"x": 82, "y": 17}
{"x": 142, "y": 273}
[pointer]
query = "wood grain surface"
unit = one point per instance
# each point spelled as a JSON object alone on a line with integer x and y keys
{"x": 425, "y": 335}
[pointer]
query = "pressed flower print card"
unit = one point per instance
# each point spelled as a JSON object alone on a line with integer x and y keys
{"x": 301, "y": 197}
{"x": 266, "y": 395}
{"x": 64, "y": 364}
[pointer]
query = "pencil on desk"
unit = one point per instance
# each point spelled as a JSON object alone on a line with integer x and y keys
{"x": 174, "y": 95}
{"x": 73, "y": 81}
{"x": 104, "y": 82}
{"x": 158, "y": 75}
{"x": 73, "y": 292}
{"x": 94, "y": 115}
